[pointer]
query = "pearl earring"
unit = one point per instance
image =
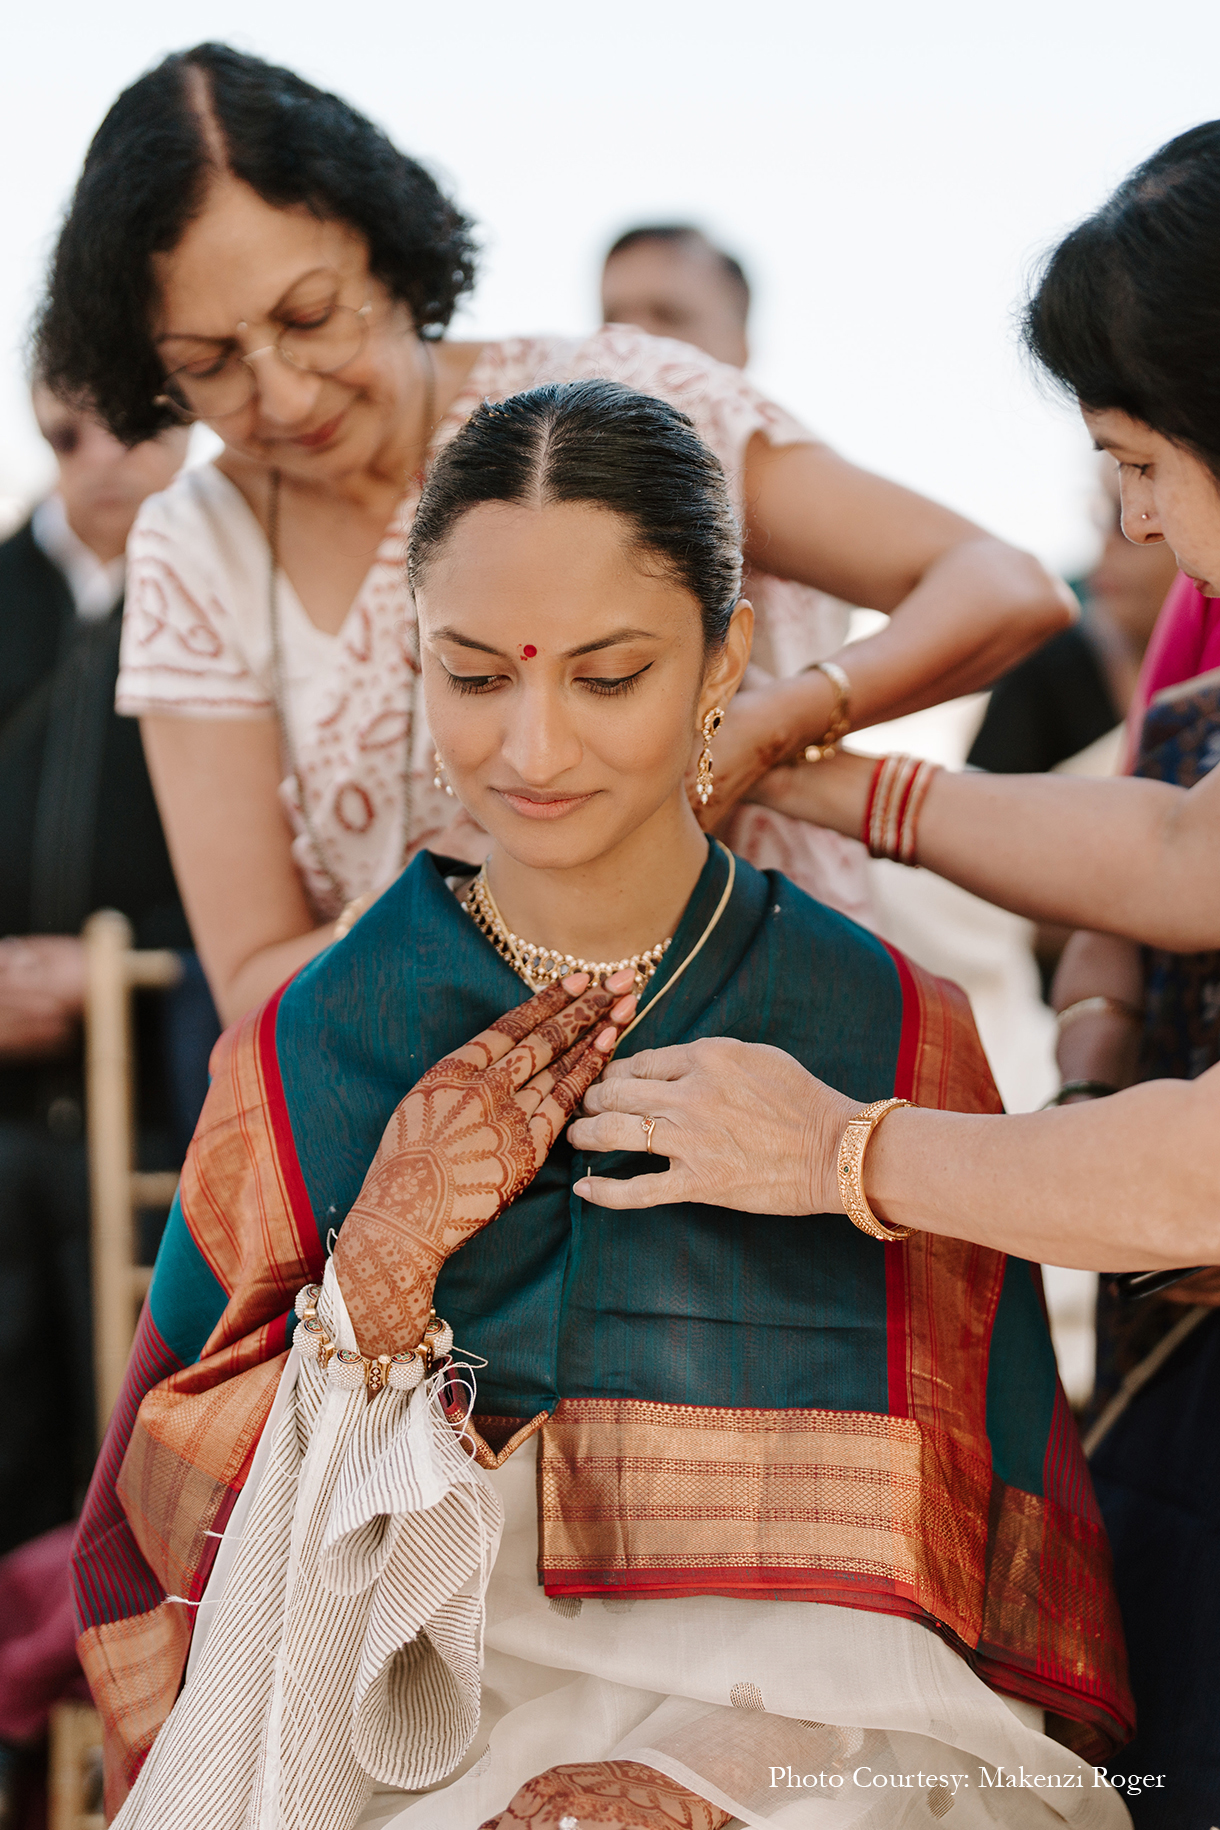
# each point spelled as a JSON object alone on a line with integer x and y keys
{"x": 438, "y": 779}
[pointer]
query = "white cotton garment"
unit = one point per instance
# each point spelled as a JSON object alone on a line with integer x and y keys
{"x": 742, "y": 1701}
{"x": 346, "y": 1646}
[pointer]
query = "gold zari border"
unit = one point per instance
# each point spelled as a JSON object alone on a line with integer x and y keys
{"x": 628, "y": 1487}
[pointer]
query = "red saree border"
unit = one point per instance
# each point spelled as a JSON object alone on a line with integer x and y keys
{"x": 180, "y": 1446}
{"x": 861, "y": 1510}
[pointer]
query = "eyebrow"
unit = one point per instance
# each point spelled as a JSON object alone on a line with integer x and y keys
{"x": 606, "y": 641}
{"x": 195, "y": 336}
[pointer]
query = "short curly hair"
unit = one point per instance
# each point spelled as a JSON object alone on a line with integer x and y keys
{"x": 145, "y": 178}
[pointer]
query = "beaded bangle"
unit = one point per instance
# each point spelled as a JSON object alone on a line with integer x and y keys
{"x": 895, "y": 800}
{"x": 401, "y": 1372}
{"x": 840, "y": 721}
{"x": 851, "y": 1171}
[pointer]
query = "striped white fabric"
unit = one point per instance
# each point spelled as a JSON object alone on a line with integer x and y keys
{"x": 347, "y": 1645}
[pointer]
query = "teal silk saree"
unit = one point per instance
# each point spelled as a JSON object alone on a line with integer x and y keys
{"x": 724, "y": 1403}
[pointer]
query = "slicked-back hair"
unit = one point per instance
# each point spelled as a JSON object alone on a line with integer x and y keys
{"x": 145, "y": 179}
{"x": 606, "y": 445}
{"x": 1126, "y": 311}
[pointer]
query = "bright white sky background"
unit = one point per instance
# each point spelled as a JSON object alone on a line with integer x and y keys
{"x": 887, "y": 171}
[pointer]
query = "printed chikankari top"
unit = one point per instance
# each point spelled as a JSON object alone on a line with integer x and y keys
{"x": 197, "y": 635}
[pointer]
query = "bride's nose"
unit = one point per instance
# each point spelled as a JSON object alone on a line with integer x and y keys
{"x": 541, "y": 743}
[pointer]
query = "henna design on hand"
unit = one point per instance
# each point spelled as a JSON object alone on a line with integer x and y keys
{"x": 463, "y": 1143}
{"x": 622, "y": 1793}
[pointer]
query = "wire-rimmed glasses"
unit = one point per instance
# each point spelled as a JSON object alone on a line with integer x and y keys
{"x": 218, "y": 378}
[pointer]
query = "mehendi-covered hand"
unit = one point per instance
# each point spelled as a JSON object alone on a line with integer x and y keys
{"x": 462, "y": 1144}
{"x": 622, "y": 1793}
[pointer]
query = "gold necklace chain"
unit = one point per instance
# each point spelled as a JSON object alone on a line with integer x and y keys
{"x": 541, "y": 966}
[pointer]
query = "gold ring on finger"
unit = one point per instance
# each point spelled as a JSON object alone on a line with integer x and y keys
{"x": 649, "y": 1125}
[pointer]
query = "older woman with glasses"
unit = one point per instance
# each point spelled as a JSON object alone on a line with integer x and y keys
{"x": 250, "y": 252}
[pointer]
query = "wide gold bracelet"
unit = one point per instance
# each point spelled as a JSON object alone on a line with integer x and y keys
{"x": 840, "y": 721}
{"x": 851, "y": 1171}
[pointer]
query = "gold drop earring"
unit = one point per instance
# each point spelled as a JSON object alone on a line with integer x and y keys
{"x": 438, "y": 779}
{"x": 704, "y": 785}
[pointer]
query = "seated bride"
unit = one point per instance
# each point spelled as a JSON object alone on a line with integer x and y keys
{"x": 439, "y": 1496}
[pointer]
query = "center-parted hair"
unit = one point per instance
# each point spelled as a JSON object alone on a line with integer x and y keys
{"x": 606, "y": 445}
{"x": 197, "y": 115}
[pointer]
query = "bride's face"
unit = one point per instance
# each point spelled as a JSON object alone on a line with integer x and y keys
{"x": 565, "y": 678}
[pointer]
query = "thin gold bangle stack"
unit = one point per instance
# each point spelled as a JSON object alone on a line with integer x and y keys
{"x": 855, "y": 1142}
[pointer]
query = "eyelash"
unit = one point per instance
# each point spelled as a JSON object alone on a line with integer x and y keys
{"x": 602, "y": 689}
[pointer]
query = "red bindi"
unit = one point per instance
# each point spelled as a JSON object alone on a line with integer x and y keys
{"x": 528, "y": 652}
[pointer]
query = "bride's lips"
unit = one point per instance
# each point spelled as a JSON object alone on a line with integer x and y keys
{"x": 312, "y": 440}
{"x": 542, "y": 806}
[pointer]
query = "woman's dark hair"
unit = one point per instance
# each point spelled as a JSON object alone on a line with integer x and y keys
{"x": 1126, "y": 312}
{"x": 146, "y": 176}
{"x": 604, "y": 444}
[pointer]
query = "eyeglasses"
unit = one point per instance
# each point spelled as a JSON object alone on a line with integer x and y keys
{"x": 219, "y": 379}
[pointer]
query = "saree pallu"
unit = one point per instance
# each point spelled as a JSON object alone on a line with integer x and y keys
{"x": 725, "y": 1403}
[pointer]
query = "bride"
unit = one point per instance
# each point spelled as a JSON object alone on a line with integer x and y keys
{"x": 702, "y": 1520}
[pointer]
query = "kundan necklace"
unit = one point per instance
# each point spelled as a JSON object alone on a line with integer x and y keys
{"x": 541, "y": 966}
{"x": 502, "y": 941}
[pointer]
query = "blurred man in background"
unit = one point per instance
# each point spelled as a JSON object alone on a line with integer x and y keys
{"x": 670, "y": 280}
{"x": 79, "y": 831}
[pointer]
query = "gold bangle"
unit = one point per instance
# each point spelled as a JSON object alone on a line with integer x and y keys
{"x": 1087, "y": 1007}
{"x": 840, "y": 721}
{"x": 851, "y": 1171}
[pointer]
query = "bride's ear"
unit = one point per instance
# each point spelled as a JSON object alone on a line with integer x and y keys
{"x": 730, "y": 662}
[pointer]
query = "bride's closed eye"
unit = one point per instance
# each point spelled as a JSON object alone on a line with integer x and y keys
{"x": 602, "y": 687}
{"x": 623, "y": 683}
{"x": 473, "y": 683}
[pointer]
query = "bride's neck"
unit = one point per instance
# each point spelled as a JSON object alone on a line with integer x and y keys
{"x": 618, "y": 904}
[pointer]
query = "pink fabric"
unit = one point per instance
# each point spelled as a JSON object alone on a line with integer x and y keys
{"x": 1185, "y": 642}
{"x": 38, "y": 1664}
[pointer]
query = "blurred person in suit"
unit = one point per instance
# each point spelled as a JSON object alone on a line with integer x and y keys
{"x": 79, "y": 830}
{"x": 670, "y": 280}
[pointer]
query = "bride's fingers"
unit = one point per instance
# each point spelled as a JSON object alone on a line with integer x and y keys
{"x": 554, "y": 1038}
{"x": 499, "y": 1038}
{"x": 574, "y": 1074}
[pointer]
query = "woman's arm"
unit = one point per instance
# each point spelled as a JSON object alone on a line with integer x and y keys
{"x": 1120, "y": 855}
{"x": 1121, "y": 1184}
{"x": 217, "y": 786}
{"x": 1101, "y": 980}
{"x": 1129, "y": 1183}
{"x": 963, "y": 606}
